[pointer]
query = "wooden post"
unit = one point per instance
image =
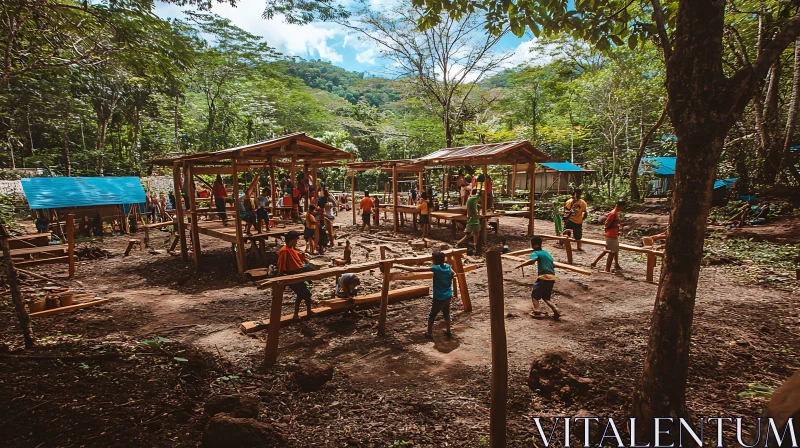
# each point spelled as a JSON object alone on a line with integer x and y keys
{"x": 274, "y": 324}
{"x": 395, "y": 202}
{"x": 193, "y": 216}
{"x": 461, "y": 276}
{"x": 387, "y": 280}
{"x": 71, "y": 243}
{"x": 532, "y": 206}
{"x": 485, "y": 195}
{"x": 353, "y": 194}
{"x": 305, "y": 180}
{"x": 16, "y": 294}
{"x": 272, "y": 187}
{"x": 445, "y": 187}
{"x": 383, "y": 248}
{"x": 292, "y": 170}
{"x": 513, "y": 179}
{"x": 499, "y": 391}
{"x": 240, "y": 257}
{"x": 651, "y": 265}
{"x": 176, "y": 178}
{"x": 568, "y": 249}
{"x": 421, "y": 187}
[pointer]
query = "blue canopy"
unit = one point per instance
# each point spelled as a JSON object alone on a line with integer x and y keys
{"x": 660, "y": 166}
{"x": 562, "y": 166}
{"x": 725, "y": 183}
{"x": 61, "y": 192}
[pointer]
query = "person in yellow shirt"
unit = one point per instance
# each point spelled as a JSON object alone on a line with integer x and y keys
{"x": 574, "y": 214}
{"x": 424, "y": 214}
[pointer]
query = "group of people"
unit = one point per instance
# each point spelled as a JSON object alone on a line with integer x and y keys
{"x": 467, "y": 183}
{"x": 157, "y": 206}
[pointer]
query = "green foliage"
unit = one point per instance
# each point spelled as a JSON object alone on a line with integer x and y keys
{"x": 400, "y": 444}
{"x": 756, "y": 391}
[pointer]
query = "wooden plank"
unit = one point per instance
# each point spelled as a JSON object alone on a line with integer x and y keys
{"x": 194, "y": 218}
{"x": 564, "y": 266}
{"x": 240, "y": 257}
{"x": 157, "y": 225}
{"x": 329, "y": 307}
{"x": 68, "y": 308}
{"x": 318, "y": 275}
{"x": 386, "y": 285}
{"x": 176, "y": 180}
{"x": 52, "y": 249}
{"x": 34, "y": 240}
{"x": 212, "y": 170}
{"x": 395, "y": 198}
{"x": 461, "y": 277}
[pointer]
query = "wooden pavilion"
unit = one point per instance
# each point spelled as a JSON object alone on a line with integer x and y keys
{"x": 295, "y": 152}
{"x": 396, "y": 167}
{"x": 506, "y": 153}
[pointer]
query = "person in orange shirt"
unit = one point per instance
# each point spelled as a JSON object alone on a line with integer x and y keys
{"x": 292, "y": 261}
{"x": 220, "y": 194}
{"x": 366, "y": 210}
{"x": 309, "y": 233}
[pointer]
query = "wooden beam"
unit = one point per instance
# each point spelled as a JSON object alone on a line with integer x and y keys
{"x": 176, "y": 179}
{"x": 395, "y": 198}
{"x": 64, "y": 309}
{"x": 513, "y": 179}
{"x": 532, "y": 205}
{"x": 461, "y": 278}
{"x": 564, "y": 266}
{"x": 407, "y": 276}
{"x": 272, "y": 188}
{"x": 41, "y": 261}
{"x": 497, "y": 316}
{"x": 212, "y": 170}
{"x": 241, "y": 261}
{"x": 71, "y": 243}
{"x": 333, "y": 306}
{"x": 194, "y": 217}
{"x": 387, "y": 281}
{"x": 353, "y": 195}
{"x": 275, "y": 327}
{"x": 254, "y": 182}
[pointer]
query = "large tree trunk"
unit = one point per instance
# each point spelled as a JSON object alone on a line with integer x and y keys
{"x": 773, "y": 145}
{"x": 701, "y": 118}
{"x": 637, "y": 160}
{"x": 67, "y": 165}
{"x": 16, "y": 296}
{"x": 791, "y": 119}
{"x": 100, "y": 145}
{"x": 135, "y": 143}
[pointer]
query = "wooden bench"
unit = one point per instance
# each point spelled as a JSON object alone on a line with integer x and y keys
{"x": 650, "y": 253}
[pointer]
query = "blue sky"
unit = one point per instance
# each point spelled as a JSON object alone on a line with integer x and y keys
{"x": 327, "y": 41}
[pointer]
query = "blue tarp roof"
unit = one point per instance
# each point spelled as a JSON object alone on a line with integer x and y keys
{"x": 660, "y": 166}
{"x": 61, "y": 192}
{"x": 725, "y": 183}
{"x": 562, "y": 166}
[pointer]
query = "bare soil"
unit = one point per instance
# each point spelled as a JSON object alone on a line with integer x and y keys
{"x": 401, "y": 388}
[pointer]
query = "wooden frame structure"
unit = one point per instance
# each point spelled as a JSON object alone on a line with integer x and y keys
{"x": 293, "y": 151}
{"x": 395, "y": 167}
{"x": 541, "y": 186}
{"x": 278, "y": 284}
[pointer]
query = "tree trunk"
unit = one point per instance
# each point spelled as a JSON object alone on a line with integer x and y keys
{"x": 16, "y": 295}
{"x": 637, "y": 160}
{"x": 791, "y": 119}
{"x": 67, "y": 165}
{"x": 135, "y": 143}
{"x": 701, "y": 116}
{"x": 177, "y": 134}
{"x": 102, "y": 128}
{"x": 773, "y": 149}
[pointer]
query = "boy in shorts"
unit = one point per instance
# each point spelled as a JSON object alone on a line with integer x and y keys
{"x": 543, "y": 287}
{"x": 366, "y": 205}
{"x": 473, "y": 225}
{"x": 292, "y": 261}
{"x": 612, "y": 227}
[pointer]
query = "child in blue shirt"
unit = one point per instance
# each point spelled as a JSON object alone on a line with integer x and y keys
{"x": 543, "y": 287}
{"x": 442, "y": 291}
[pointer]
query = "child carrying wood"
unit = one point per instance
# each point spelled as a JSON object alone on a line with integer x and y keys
{"x": 442, "y": 290}
{"x": 543, "y": 286}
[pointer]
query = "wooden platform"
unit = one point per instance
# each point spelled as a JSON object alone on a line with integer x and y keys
{"x": 332, "y": 306}
{"x": 215, "y": 229}
{"x": 50, "y": 249}
{"x": 33, "y": 240}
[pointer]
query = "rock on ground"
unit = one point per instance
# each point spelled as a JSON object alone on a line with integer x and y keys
{"x": 241, "y": 406}
{"x": 310, "y": 376}
{"x": 555, "y": 375}
{"x": 224, "y": 431}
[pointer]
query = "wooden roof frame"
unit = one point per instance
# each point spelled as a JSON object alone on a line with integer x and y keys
{"x": 386, "y": 166}
{"x": 299, "y": 147}
{"x": 505, "y": 153}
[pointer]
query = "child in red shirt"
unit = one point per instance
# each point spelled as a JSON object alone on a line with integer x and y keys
{"x": 612, "y": 227}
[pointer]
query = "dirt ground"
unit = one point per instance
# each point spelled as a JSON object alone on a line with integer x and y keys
{"x": 390, "y": 391}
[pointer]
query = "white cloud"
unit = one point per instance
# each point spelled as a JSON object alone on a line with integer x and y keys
{"x": 310, "y": 41}
{"x": 525, "y": 54}
{"x": 367, "y": 56}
